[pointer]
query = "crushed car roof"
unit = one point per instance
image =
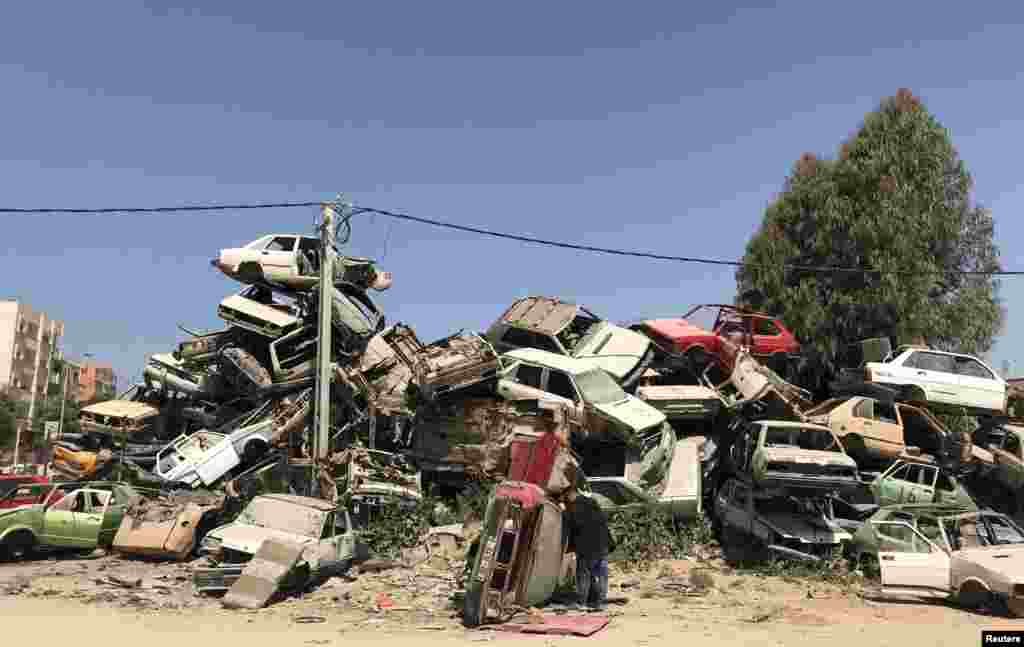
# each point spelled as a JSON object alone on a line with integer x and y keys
{"x": 545, "y": 314}
{"x": 121, "y": 408}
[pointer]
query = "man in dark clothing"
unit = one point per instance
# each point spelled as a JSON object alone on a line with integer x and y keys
{"x": 592, "y": 541}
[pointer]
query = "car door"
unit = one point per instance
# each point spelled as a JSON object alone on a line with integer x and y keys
{"x": 979, "y": 385}
{"x": 89, "y": 518}
{"x": 878, "y": 422}
{"x": 768, "y": 339}
{"x": 935, "y": 373}
{"x": 278, "y": 258}
{"x": 59, "y": 517}
{"x": 888, "y": 487}
{"x": 910, "y": 563}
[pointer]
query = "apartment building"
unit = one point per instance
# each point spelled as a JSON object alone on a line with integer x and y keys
{"x": 94, "y": 380}
{"x": 28, "y": 338}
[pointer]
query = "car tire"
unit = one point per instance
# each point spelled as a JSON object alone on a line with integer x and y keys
{"x": 17, "y": 546}
{"x": 870, "y": 567}
{"x": 473, "y": 605}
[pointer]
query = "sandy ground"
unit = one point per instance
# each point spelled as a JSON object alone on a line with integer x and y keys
{"x": 99, "y": 600}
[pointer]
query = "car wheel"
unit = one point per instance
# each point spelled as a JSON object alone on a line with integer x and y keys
{"x": 20, "y": 545}
{"x": 473, "y": 605}
{"x": 869, "y": 565}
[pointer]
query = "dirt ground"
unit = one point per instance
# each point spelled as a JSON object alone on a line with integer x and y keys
{"x": 135, "y": 602}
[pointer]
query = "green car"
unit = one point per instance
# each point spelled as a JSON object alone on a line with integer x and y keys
{"x": 68, "y": 515}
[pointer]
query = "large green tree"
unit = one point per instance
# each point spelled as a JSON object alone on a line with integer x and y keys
{"x": 8, "y": 421}
{"x": 895, "y": 204}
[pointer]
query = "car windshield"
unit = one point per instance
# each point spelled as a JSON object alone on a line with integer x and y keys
{"x": 801, "y": 437}
{"x": 577, "y": 330}
{"x": 275, "y": 514}
{"x": 259, "y": 243}
{"x": 599, "y": 388}
{"x": 977, "y": 530}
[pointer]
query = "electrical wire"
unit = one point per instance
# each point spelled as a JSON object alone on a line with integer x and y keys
{"x": 352, "y": 212}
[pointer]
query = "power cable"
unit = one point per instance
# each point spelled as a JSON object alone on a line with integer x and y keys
{"x": 497, "y": 234}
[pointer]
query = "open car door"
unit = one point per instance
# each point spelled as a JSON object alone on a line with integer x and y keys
{"x": 910, "y": 563}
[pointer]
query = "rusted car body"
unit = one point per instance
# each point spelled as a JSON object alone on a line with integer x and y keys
{"x": 78, "y": 465}
{"x": 120, "y": 419}
{"x": 568, "y": 329}
{"x": 383, "y": 373}
{"x": 752, "y": 382}
{"x": 454, "y": 363}
{"x": 875, "y": 431}
{"x": 1006, "y": 443}
{"x": 254, "y": 309}
{"x": 792, "y": 455}
{"x": 918, "y": 479}
{"x": 370, "y": 480}
{"x": 20, "y": 489}
{"x": 754, "y": 521}
{"x": 522, "y": 544}
{"x": 166, "y": 528}
{"x": 681, "y": 403}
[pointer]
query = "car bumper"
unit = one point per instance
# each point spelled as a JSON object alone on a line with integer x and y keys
{"x": 772, "y": 480}
{"x": 213, "y": 579}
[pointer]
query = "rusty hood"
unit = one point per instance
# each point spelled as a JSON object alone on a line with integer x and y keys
{"x": 676, "y": 329}
{"x": 806, "y": 457}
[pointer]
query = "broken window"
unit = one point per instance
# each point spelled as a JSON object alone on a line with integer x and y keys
{"x": 577, "y": 329}
{"x": 765, "y": 327}
{"x": 920, "y": 474}
{"x": 73, "y": 502}
{"x": 900, "y": 538}
{"x": 525, "y": 339}
{"x": 802, "y": 437}
{"x": 1003, "y": 531}
{"x": 865, "y": 409}
{"x": 281, "y": 244}
{"x": 969, "y": 367}
{"x": 929, "y": 527}
{"x": 529, "y": 375}
{"x": 560, "y": 384}
{"x": 1012, "y": 444}
{"x": 943, "y": 482}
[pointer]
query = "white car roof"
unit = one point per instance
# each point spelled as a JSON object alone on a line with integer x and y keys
{"x": 549, "y": 360}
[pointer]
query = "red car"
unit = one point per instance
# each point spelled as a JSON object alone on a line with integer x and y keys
{"x": 21, "y": 489}
{"x": 701, "y": 333}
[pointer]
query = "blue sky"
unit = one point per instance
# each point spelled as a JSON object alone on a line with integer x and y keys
{"x": 654, "y": 126}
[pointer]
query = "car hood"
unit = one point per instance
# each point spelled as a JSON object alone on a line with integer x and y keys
{"x": 1007, "y": 561}
{"x": 632, "y": 413}
{"x": 248, "y": 539}
{"x": 612, "y": 348}
{"x": 806, "y": 457}
{"x": 18, "y": 514}
{"x": 676, "y": 329}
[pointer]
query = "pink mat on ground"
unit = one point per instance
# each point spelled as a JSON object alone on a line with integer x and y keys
{"x": 558, "y": 625}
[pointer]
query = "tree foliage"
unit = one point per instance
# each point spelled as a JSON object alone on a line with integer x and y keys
{"x": 8, "y": 422}
{"x": 896, "y": 200}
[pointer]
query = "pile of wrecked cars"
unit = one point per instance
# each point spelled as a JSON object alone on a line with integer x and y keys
{"x": 216, "y": 455}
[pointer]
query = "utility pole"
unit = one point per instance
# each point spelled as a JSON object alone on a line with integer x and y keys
{"x": 322, "y": 412}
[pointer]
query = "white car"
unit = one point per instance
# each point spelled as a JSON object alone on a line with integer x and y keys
{"x": 206, "y": 456}
{"x": 293, "y": 261}
{"x": 975, "y": 558}
{"x": 940, "y": 379}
